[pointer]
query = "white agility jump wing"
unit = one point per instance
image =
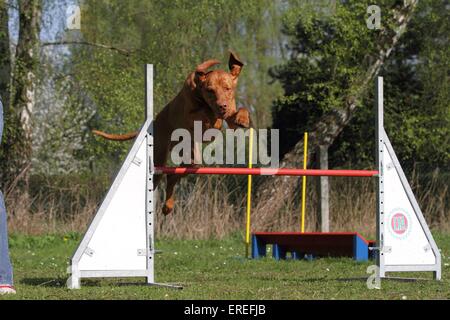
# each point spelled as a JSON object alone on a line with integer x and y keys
{"x": 115, "y": 243}
{"x": 404, "y": 239}
{"x": 120, "y": 240}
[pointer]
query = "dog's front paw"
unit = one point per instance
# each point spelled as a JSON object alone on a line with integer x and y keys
{"x": 242, "y": 118}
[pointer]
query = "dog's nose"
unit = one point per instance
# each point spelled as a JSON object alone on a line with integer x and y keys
{"x": 223, "y": 107}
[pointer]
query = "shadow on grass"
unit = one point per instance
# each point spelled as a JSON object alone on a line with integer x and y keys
{"x": 399, "y": 279}
{"x": 44, "y": 282}
{"x": 54, "y": 283}
{"x": 300, "y": 280}
{"x": 364, "y": 279}
{"x": 61, "y": 283}
{"x": 343, "y": 279}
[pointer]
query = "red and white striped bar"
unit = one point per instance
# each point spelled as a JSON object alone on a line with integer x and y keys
{"x": 267, "y": 172}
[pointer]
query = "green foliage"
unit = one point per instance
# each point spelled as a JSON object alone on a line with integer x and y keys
{"x": 417, "y": 98}
{"x": 175, "y": 36}
{"x": 329, "y": 53}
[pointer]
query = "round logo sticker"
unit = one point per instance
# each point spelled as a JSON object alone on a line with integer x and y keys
{"x": 399, "y": 223}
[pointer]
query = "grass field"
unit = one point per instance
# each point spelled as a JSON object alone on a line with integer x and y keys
{"x": 214, "y": 269}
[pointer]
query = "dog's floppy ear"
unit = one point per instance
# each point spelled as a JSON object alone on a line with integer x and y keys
{"x": 235, "y": 64}
{"x": 200, "y": 71}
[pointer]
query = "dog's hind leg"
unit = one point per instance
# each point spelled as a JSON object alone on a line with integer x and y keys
{"x": 162, "y": 146}
{"x": 172, "y": 180}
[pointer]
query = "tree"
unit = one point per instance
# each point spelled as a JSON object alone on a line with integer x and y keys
{"x": 372, "y": 52}
{"x": 5, "y": 56}
{"x": 416, "y": 80}
{"x": 5, "y": 74}
{"x": 172, "y": 37}
{"x": 17, "y": 150}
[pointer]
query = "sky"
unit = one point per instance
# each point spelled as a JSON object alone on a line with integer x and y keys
{"x": 54, "y": 16}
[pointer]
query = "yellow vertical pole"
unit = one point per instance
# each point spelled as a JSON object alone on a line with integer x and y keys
{"x": 305, "y": 158}
{"x": 249, "y": 195}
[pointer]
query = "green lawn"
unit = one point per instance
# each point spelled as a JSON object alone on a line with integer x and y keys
{"x": 212, "y": 269}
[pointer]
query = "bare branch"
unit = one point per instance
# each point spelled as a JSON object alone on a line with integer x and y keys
{"x": 86, "y": 43}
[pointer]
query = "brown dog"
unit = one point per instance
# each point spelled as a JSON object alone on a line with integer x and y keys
{"x": 206, "y": 96}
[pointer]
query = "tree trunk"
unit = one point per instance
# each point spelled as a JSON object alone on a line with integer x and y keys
{"x": 275, "y": 192}
{"x": 18, "y": 146}
{"x": 323, "y": 217}
{"x": 5, "y": 55}
{"x": 5, "y": 78}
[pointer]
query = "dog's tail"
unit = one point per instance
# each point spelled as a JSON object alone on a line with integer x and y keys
{"x": 116, "y": 137}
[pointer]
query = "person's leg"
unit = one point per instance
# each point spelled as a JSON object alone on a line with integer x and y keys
{"x": 6, "y": 276}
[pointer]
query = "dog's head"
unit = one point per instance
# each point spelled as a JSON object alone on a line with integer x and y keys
{"x": 218, "y": 87}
